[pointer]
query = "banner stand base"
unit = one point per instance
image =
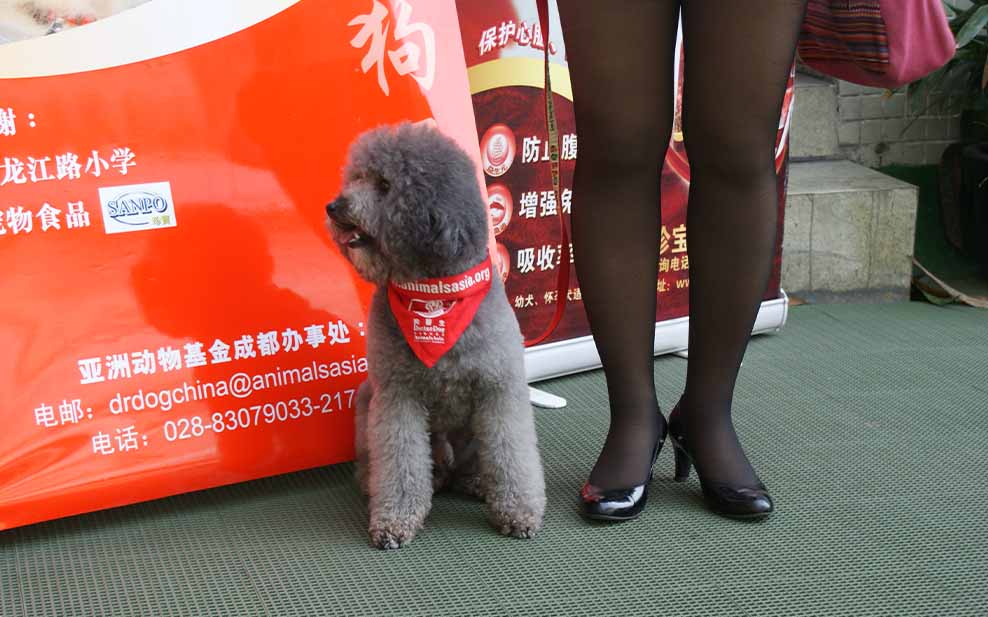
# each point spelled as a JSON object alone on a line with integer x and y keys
{"x": 541, "y": 398}
{"x": 671, "y": 337}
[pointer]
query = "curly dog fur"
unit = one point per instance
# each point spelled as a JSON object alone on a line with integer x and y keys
{"x": 410, "y": 208}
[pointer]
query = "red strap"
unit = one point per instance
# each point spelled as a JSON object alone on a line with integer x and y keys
{"x": 562, "y": 282}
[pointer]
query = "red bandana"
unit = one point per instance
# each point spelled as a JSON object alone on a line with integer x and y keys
{"x": 433, "y": 313}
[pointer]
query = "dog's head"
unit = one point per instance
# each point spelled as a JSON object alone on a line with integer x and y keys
{"x": 410, "y": 207}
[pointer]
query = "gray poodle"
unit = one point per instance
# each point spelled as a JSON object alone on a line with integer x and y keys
{"x": 410, "y": 209}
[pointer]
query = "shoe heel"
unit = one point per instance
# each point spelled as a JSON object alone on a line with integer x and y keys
{"x": 683, "y": 464}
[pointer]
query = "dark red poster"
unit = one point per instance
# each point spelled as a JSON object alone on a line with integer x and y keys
{"x": 504, "y": 47}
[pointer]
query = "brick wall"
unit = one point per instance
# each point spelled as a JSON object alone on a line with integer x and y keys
{"x": 873, "y": 129}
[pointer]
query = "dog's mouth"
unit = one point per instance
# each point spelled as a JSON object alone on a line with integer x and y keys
{"x": 351, "y": 235}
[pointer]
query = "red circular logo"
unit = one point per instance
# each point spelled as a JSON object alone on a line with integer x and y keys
{"x": 502, "y": 260}
{"x": 498, "y": 150}
{"x": 499, "y": 204}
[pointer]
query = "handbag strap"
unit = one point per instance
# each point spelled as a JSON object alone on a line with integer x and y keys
{"x": 562, "y": 279}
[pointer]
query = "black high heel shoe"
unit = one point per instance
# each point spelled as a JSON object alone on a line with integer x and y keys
{"x": 620, "y": 504}
{"x": 724, "y": 499}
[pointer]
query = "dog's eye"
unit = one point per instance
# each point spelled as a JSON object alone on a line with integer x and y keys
{"x": 383, "y": 185}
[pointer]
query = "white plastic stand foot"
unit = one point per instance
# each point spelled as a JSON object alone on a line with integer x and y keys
{"x": 541, "y": 398}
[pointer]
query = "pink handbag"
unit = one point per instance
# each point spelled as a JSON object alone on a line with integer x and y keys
{"x": 882, "y": 43}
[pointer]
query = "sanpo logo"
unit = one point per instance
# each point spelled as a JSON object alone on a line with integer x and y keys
{"x": 137, "y": 207}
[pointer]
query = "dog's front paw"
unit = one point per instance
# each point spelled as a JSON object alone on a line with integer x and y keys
{"x": 517, "y": 524}
{"x": 387, "y": 536}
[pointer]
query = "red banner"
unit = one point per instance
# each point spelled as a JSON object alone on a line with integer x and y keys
{"x": 173, "y": 314}
{"x": 504, "y": 46}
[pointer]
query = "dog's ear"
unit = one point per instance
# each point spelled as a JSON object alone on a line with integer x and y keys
{"x": 451, "y": 237}
{"x": 433, "y": 221}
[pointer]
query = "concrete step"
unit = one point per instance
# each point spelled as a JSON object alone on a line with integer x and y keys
{"x": 814, "y": 119}
{"x": 848, "y": 234}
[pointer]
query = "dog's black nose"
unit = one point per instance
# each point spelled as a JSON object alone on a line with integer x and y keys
{"x": 335, "y": 206}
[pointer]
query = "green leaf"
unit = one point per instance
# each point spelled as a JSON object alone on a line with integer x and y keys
{"x": 962, "y": 17}
{"x": 959, "y": 82}
{"x": 916, "y": 97}
{"x": 950, "y": 10}
{"x": 973, "y": 26}
{"x": 937, "y": 300}
{"x": 934, "y": 299}
{"x": 921, "y": 94}
{"x": 958, "y": 78}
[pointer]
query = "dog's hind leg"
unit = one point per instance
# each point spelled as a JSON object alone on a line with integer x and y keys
{"x": 361, "y": 409}
{"x": 466, "y": 476}
{"x": 442, "y": 461}
{"x": 510, "y": 467}
{"x": 400, "y": 468}
{"x": 469, "y": 482}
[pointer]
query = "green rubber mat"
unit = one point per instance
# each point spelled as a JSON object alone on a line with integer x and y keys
{"x": 869, "y": 424}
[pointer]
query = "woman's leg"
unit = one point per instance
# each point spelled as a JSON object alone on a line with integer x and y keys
{"x": 738, "y": 57}
{"x": 621, "y": 67}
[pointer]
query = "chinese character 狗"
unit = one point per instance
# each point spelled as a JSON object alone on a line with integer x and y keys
{"x": 406, "y": 59}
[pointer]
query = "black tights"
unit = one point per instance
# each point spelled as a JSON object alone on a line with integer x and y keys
{"x": 738, "y": 56}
